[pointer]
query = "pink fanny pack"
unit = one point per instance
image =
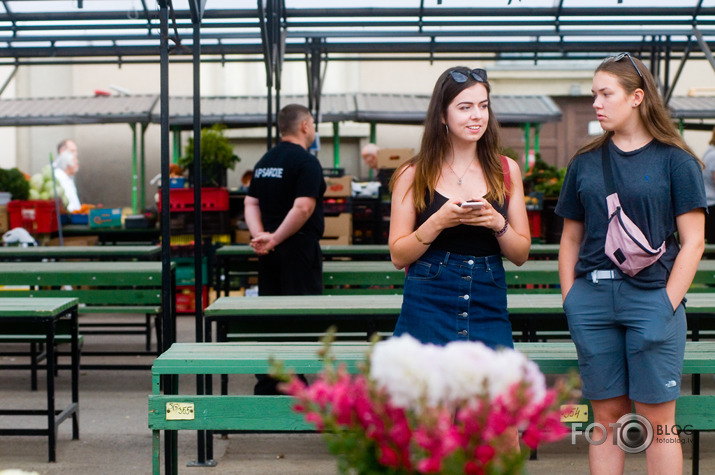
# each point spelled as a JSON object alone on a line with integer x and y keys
{"x": 626, "y": 245}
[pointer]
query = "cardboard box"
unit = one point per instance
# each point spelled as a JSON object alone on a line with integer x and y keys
{"x": 390, "y": 158}
{"x": 336, "y": 241}
{"x": 105, "y": 218}
{"x": 338, "y": 186}
{"x": 340, "y": 225}
{"x": 4, "y": 219}
{"x": 74, "y": 241}
{"x": 242, "y": 236}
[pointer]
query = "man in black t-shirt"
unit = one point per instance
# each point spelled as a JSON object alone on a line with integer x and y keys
{"x": 284, "y": 213}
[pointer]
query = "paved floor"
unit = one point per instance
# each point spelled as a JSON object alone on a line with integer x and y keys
{"x": 114, "y": 438}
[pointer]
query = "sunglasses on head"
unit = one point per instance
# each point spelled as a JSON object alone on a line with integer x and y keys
{"x": 619, "y": 57}
{"x": 461, "y": 75}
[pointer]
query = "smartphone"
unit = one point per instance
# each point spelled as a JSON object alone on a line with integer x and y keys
{"x": 472, "y": 204}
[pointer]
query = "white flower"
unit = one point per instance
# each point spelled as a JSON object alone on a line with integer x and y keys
{"x": 416, "y": 374}
{"x": 467, "y": 369}
{"x": 405, "y": 369}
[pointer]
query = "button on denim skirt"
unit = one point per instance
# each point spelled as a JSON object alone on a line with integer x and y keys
{"x": 452, "y": 297}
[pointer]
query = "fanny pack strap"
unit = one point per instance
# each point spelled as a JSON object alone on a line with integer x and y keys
{"x": 607, "y": 172}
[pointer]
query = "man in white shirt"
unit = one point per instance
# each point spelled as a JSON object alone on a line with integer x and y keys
{"x": 66, "y": 166}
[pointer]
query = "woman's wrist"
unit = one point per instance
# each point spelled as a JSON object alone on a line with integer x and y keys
{"x": 419, "y": 238}
{"x": 502, "y": 231}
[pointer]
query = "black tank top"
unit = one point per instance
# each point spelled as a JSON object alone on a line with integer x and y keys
{"x": 462, "y": 239}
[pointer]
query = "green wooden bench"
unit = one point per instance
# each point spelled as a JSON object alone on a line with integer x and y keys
{"x": 174, "y": 411}
{"x": 130, "y": 289}
{"x": 534, "y": 316}
{"x": 85, "y": 253}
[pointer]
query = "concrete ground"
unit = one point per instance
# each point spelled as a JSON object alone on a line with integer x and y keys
{"x": 114, "y": 438}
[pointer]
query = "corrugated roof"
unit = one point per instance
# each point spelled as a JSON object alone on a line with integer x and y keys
{"x": 686, "y": 107}
{"x": 76, "y": 110}
{"x": 411, "y": 109}
{"x": 250, "y": 111}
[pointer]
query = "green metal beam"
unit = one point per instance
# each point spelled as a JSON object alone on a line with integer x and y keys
{"x": 336, "y": 145}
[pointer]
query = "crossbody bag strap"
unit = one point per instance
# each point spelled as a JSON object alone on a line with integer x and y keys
{"x": 607, "y": 172}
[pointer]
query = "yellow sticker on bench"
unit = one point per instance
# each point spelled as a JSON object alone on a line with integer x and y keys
{"x": 179, "y": 411}
{"x": 575, "y": 413}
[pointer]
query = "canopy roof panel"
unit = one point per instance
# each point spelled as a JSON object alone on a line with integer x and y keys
{"x": 535, "y": 29}
{"x": 77, "y": 110}
{"x": 250, "y": 111}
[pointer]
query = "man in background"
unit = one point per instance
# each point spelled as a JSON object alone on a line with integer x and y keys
{"x": 66, "y": 165}
{"x": 284, "y": 214}
{"x": 369, "y": 156}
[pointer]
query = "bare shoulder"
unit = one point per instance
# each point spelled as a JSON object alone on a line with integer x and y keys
{"x": 514, "y": 169}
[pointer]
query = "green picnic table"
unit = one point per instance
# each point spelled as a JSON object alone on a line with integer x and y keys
{"x": 531, "y": 314}
{"x": 118, "y": 288}
{"x": 175, "y": 410}
{"x": 33, "y": 319}
{"x": 241, "y": 260}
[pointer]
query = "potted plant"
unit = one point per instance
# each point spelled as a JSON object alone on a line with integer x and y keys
{"x": 15, "y": 182}
{"x": 216, "y": 157}
{"x": 547, "y": 179}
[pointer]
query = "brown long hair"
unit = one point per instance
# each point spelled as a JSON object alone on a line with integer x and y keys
{"x": 435, "y": 145}
{"x": 652, "y": 110}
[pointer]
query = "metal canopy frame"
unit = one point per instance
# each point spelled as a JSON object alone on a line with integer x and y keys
{"x": 274, "y": 31}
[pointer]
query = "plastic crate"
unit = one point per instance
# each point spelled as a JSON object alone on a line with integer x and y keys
{"x": 185, "y": 298}
{"x": 333, "y": 172}
{"x": 212, "y": 199}
{"x": 333, "y": 206}
{"x": 36, "y": 216}
{"x": 185, "y": 272}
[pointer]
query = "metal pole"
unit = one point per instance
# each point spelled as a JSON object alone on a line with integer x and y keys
{"x": 134, "y": 168}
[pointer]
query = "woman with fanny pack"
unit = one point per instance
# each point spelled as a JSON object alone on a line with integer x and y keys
{"x": 623, "y": 271}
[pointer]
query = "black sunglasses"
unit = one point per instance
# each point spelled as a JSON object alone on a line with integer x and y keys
{"x": 460, "y": 76}
{"x": 619, "y": 57}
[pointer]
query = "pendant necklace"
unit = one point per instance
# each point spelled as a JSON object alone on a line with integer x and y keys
{"x": 459, "y": 178}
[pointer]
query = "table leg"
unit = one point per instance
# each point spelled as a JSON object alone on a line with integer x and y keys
{"x": 51, "y": 426}
{"x": 75, "y": 372}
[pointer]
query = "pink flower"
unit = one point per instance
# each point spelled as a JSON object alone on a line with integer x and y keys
{"x": 413, "y": 418}
{"x": 473, "y": 468}
{"x": 484, "y": 453}
{"x": 389, "y": 457}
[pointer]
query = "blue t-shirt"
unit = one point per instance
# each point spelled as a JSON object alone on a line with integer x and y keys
{"x": 655, "y": 184}
{"x": 284, "y": 173}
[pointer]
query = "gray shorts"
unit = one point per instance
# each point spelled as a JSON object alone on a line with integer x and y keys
{"x": 629, "y": 340}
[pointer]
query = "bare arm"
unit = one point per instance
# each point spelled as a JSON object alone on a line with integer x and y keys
{"x": 252, "y": 214}
{"x": 301, "y": 211}
{"x": 691, "y": 230}
{"x": 516, "y": 242}
{"x": 571, "y": 238}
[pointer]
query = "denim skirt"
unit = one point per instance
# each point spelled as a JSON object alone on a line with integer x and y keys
{"x": 452, "y": 297}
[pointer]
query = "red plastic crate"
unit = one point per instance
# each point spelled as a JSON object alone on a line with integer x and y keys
{"x": 212, "y": 199}
{"x": 534, "y": 223}
{"x": 36, "y": 216}
{"x": 185, "y": 301}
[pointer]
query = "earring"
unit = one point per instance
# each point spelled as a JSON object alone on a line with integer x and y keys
{"x": 446, "y": 128}
{"x": 635, "y": 105}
